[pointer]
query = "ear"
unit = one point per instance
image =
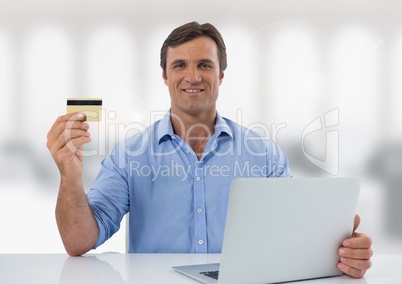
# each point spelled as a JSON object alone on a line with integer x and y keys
{"x": 221, "y": 78}
{"x": 164, "y": 78}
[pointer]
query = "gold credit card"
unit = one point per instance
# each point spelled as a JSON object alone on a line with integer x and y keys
{"x": 92, "y": 108}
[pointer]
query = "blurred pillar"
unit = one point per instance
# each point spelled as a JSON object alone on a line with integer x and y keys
{"x": 386, "y": 164}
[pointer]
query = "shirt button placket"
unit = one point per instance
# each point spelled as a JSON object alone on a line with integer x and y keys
{"x": 199, "y": 211}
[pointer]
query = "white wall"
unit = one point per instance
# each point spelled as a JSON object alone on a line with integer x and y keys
{"x": 290, "y": 63}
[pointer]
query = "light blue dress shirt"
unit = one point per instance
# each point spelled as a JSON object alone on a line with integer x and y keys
{"x": 178, "y": 203}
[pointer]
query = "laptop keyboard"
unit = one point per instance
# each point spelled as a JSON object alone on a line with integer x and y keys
{"x": 212, "y": 274}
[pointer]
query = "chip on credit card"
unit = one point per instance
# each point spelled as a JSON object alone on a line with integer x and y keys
{"x": 91, "y": 107}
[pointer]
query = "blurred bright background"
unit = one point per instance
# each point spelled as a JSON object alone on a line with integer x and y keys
{"x": 323, "y": 77}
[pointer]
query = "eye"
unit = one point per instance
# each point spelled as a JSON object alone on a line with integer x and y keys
{"x": 179, "y": 66}
{"x": 205, "y": 66}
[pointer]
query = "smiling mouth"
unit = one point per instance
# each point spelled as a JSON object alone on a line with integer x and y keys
{"x": 193, "y": 91}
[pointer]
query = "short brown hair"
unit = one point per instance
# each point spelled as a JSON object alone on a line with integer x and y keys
{"x": 189, "y": 32}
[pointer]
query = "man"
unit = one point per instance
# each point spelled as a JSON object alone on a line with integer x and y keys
{"x": 173, "y": 177}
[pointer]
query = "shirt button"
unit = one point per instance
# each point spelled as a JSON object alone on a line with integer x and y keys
{"x": 188, "y": 151}
{"x": 199, "y": 210}
{"x": 200, "y": 242}
{"x": 173, "y": 137}
{"x": 197, "y": 178}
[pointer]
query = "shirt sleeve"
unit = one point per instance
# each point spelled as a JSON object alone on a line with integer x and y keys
{"x": 109, "y": 197}
{"x": 277, "y": 162}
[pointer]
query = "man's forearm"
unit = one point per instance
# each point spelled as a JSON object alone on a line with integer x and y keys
{"x": 77, "y": 225}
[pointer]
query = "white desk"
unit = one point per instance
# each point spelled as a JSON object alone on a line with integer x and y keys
{"x": 146, "y": 268}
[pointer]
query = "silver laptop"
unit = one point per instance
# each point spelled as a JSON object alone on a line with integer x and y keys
{"x": 282, "y": 229}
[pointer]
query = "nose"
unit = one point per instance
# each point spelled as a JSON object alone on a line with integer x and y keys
{"x": 193, "y": 75}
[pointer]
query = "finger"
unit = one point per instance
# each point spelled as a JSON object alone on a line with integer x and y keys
{"x": 357, "y": 222}
{"x": 56, "y": 145}
{"x": 359, "y": 241}
{"x": 79, "y": 116}
{"x": 72, "y": 148}
{"x": 80, "y": 136}
{"x": 75, "y": 145}
{"x": 60, "y": 123}
{"x": 70, "y": 134}
{"x": 359, "y": 264}
{"x": 61, "y": 127}
{"x": 356, "y": 273}
{"x": 366, "y": 253}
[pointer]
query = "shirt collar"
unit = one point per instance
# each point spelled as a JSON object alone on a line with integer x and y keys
{"x": 165, "y": 131}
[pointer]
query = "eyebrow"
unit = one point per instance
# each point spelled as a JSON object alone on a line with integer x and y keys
{"x": 180, "y": 61}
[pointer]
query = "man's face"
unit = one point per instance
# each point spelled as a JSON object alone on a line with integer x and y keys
{"x": 193, "y": 77}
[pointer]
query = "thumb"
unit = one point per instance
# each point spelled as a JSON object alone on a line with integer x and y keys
{"x": 357, "y": 223}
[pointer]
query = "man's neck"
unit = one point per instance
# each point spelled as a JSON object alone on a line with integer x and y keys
{"x": 195, "y": 129}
